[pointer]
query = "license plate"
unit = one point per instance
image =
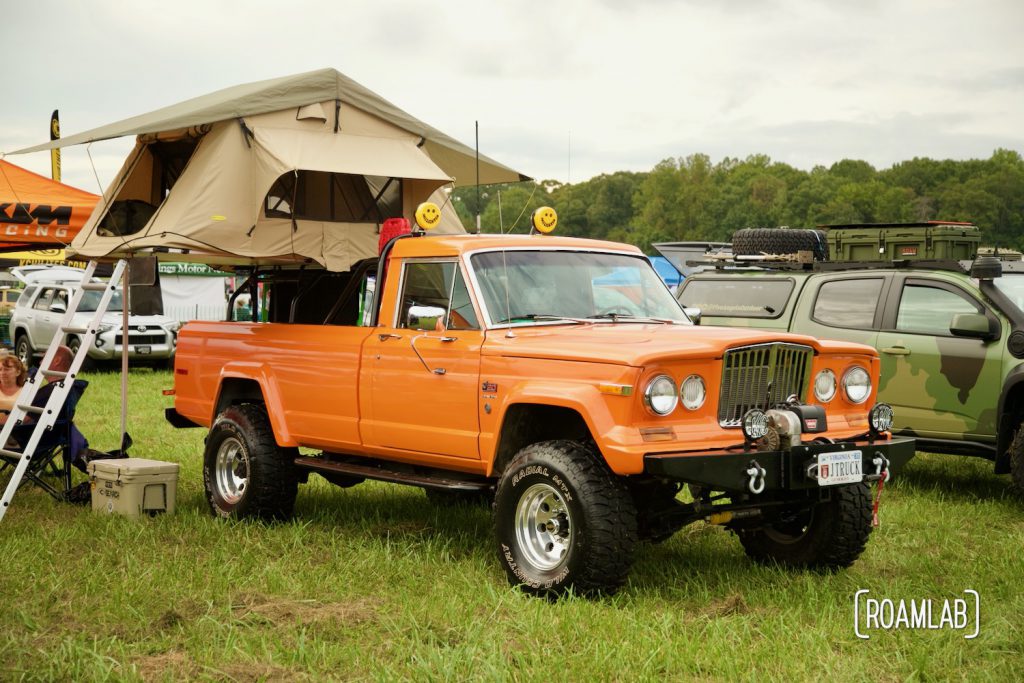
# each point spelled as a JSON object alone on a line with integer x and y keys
{"x": 843, "y": 467}
{"x": 142, "y": 350}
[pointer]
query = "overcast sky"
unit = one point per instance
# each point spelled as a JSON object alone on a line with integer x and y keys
{"x": 563, "y": 89}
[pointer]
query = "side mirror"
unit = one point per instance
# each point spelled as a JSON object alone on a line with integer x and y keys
{"x": 425, "y": 318}
{"x": 972, "y": 325}
{"x": 693, "y": 314}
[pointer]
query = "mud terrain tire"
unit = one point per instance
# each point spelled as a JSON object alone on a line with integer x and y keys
{"x": 832, "y": 535}
{"x": 245, "y": 473}
{"x": 563, "y": 521}
{"x": 754, "y": 241}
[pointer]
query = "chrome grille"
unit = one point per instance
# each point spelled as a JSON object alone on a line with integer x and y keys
{"x": 748, "y": 373}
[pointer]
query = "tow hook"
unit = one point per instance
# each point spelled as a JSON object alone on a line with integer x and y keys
{"x": 756, "y": 473}
{"x": 881, "y": 464}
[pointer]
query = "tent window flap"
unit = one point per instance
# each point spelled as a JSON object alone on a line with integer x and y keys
{"x": 333, "y": 197}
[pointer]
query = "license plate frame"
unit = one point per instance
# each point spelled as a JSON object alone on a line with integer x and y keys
{"x": 837, "y": 468}
{"x": 144, "y": 350}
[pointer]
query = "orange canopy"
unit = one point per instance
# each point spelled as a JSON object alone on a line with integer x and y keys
{"x": 36, "y": 211}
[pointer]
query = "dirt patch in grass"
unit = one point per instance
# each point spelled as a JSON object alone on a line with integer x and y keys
{"x": 727, "y": 607}
{"x": 281, "y": 611}
{"x": 178, "y": 665}
{"x": 174, "y": 665}
{"x": 250, "y": 673}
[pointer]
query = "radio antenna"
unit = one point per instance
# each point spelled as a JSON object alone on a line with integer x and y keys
{"x": 477, "y": 125}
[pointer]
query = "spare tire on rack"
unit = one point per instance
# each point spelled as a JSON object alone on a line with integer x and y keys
{"x": 754, "y": 241}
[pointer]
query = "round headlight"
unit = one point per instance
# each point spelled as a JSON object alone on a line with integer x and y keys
{"x": 755, "y": 424}
{"x": 692, "y": 392}
{"x": 881, "y": 418}
{"x": 660, "y": 395}
{"x": 857, "y": 384}
{"x": 825, "y": 386}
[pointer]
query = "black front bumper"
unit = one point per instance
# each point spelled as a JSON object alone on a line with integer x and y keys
{"x": 727, "y": 470}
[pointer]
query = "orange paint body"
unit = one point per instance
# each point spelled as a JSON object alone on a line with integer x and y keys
{"x": 364, "y": 391}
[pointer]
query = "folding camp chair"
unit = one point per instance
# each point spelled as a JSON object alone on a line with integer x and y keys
{"x": 62, "y": 440}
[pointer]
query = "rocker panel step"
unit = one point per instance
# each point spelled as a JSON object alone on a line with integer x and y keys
{"x": 425, "y": 480}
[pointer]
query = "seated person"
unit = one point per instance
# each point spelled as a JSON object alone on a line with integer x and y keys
{"x": 12, "y": 378}
{"x": 78, "y": 444}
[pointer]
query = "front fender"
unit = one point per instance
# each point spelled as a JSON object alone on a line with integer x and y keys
{"x": 263, "y": 375}
{"x": 607, "y": 417}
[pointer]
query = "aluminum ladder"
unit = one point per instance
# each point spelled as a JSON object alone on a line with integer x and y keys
{"x": 47, "y": 415}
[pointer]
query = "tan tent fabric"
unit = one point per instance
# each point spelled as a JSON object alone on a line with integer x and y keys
{"x": 296, "y": 181}
{"x": 343, "y": 153}
{"x": 216, "y": 206}
{"x": 292, "y": 92}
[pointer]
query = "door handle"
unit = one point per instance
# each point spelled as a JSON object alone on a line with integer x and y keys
{"x": 896, "y": 350}
{"x": 388, "y": 335}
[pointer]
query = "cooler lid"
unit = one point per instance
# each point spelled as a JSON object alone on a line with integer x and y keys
{"x": 128, "y": 467}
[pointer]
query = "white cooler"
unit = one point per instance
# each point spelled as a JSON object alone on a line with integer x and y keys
{"x": 133, "y": 486}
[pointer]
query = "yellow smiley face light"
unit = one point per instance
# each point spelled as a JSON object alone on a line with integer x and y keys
{"x": 544, "y": 219}
{"x": 428, "y": 216}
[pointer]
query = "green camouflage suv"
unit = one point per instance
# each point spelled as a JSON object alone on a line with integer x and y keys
{"x": 950, "y": 333}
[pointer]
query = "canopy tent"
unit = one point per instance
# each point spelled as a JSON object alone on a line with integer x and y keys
{"x": 38, "y": 212}
{"x": 296, "y": 169}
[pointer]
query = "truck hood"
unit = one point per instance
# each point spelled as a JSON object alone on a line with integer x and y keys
{"x": 637, "y": 344}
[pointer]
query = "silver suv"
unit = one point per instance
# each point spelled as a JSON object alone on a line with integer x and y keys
{"x": 37, "y": 315}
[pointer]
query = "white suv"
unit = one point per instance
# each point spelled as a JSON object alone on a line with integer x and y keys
{"x": 37, "y": 315}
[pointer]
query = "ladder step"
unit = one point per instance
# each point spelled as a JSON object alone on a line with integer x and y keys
{"x": 12, "y": 454}
{"x": 95, "y": 286}
{"x": 55, "y": 374}
{"x": 75, "y": 330}
{"x": 31, "y": 409}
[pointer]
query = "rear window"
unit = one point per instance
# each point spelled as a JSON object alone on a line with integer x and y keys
{"x": 29, "y": 291}
{"x": 739, "y": 298}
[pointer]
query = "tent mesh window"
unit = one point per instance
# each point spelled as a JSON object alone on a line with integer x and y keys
{"x": 334, "y": 197}
{"x": 130, "y": 214}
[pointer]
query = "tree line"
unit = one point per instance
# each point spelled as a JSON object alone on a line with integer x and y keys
{"x": 692, "y": 198}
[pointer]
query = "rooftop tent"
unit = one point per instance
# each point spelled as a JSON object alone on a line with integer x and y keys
{"x": 302, "y": 168}
{"x": 38, "y": 212}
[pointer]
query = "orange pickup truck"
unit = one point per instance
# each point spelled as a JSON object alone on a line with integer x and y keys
{"x": 556, "y": 378}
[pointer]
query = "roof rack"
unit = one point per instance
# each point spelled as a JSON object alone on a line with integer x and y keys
{"x": 786, "y": 262}
{"x": 919, "y": 224}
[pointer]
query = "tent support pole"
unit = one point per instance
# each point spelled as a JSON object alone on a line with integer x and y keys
{"x": 125, "y": 304}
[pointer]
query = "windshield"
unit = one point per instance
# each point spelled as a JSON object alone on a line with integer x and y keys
{"x": 525, "y": 286}
{"x": 91, "y": 299}
{"x": 1012, "y": 286}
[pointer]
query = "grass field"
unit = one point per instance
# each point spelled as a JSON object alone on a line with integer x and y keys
{"x": 373, "y": 583}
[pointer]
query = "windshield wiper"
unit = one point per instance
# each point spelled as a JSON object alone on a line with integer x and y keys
{"x": 629, "y": 317}
{"x": 543, "y": 317}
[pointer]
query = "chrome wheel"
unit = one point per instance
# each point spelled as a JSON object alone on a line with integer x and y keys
{"x": 231, "y": 470}
{"x": 543, "y": 527}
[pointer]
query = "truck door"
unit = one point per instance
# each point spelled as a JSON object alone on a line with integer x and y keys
{"x": 421, "y": 367}
{"x": 842, "y": 306}
{"x": 940, "y": 386}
